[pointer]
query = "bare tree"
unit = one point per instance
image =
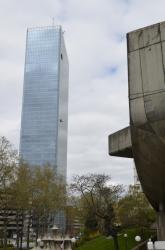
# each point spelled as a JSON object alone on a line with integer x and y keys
{"x": 99, "y": 197}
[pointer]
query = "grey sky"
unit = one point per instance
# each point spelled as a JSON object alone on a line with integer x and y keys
{"x": 98, "y": 101}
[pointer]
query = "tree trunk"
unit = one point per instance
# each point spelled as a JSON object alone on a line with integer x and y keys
{"x": 17, "y": 228}
{"x": 5, "y": 234}
{"x": 115, "y": 241}
{"x": 113, "y": 232}
{"x": 46, "y": 225}
{"x": 37, "y": 229}
{"x": 28, "y": 229}
{"x": 21, "y": 239}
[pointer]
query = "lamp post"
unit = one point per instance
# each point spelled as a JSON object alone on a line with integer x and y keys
{"x": 73, "y": 240}
{"x": 150, "y": 245}
{"x": 38, "y": 241}
{"x": 138, "y": 238}
{"x": 126, "y": 245}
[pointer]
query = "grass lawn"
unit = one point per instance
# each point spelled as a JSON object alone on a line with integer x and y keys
{"x": 8, "y": 248}
{"x": 102, "y": 243}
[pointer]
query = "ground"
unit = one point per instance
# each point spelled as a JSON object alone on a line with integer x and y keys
{"x": 102, "y": 243}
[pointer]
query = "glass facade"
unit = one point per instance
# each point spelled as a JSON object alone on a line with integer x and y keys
{"x": 45, "y": 99}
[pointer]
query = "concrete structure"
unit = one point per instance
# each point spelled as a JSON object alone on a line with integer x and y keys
{"x": 144, "y": 140}
{"x": 55, "y": 240}
{"x": 44, "y": 121}
{"x": 157, "y": 245}
{"x": 136, "y": 177}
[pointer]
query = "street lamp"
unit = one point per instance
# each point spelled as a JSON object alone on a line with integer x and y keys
{"x": 73, "y": 240}
{"x": 137, "y": 238}
{"x": 38, "y": 241}
{"x": 126, "y": 237}
{"x": 150, "y": 245}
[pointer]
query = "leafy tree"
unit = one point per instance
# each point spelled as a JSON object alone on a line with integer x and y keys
{"x": 99, "y": 197}
{"x": 22, "y": 188}
{"x": 8, "y": 165}
{"x": 91, "y": 221}
{"x": 134, "y": 209}
{"x": 48, "y": 197}
{"x": 29, "y": 192}
{"x": 72, "y": 213}
{"x": 39, "y": 193}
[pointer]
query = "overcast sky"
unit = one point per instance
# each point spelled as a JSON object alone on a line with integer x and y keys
{"x": 95, "y": 32}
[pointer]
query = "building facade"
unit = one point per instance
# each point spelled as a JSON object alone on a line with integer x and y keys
{"x": 44, "y": 120}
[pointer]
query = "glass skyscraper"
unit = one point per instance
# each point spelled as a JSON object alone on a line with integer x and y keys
{"x": 44, "y": 120}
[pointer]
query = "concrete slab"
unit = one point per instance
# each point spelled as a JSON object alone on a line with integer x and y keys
{"x": 120, "y": 143}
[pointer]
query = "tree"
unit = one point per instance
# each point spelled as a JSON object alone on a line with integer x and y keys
{"x": 29, "y": 192}
{"x": 48, "y": 197}
{"x": 39, "y": 194}
{"x": 22, "y": 188}
{"x": 134, "y": 209}
{"x": 100, "y": 197}
{"x": 8, "y": 165}
{"x": 91, "y": 221}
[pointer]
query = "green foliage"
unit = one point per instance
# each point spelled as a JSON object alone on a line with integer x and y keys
{"x": 8, "y": 248}
{"x": 91, "y": 222}
{"x": 48, "y": 196}
{"x": 22, "y": 187}
{"x": 103, "y": 243}
{"x": 97, "y": 200}
{"x": 134, "y": 210}
{"x": 36, "y": 191}
{"x": 48, "y": 192}
{"x": 8, "y": 165}
{"x": 99, "y": 197}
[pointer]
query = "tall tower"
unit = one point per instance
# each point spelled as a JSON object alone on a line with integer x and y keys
{"x": 45, "y": 99}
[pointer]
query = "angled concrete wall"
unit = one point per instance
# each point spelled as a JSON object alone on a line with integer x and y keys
{"x": 146, "y": 57}
{"x": 146, "y": 75}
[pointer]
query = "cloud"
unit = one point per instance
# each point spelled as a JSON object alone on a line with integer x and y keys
{"x": 98, "y": 101}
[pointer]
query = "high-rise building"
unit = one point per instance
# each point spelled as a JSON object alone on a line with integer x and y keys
{"x": 44, "y": 121}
